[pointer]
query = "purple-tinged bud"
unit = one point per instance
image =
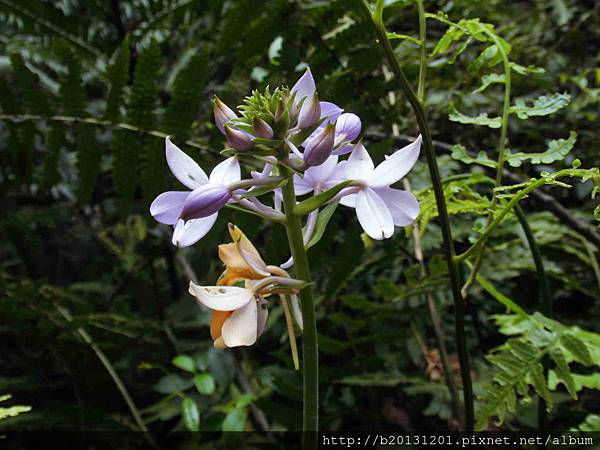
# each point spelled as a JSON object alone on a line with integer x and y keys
{"x": 347, "y": 128}
{"x": 262, "y": 129}
{"x": 320, "y": 146}
{"x": 205, "y": 201}
{"x": 223, "y": 114}
{"x": 310, "y": 112}
{"x": 238, "y": 139}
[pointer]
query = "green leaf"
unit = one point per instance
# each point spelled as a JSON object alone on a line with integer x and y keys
{"x": 558, "y": 149}
{"x": 322, "y": 220}
{"x": 205, "y": 383}
{"x": 452, "y": 34}
{"x": 481, "y": 119}
{"x": 459, "y": 152}
{"x": 235, "y": 420}
{"x": 404, "y": 37}
{"x": 542, "y": 106}
{"x": 522, "y": 70}
{"x": 578, "y": 349}
{"x": 489, "y": 57}
{"x": 314, "y": 202}
{"x": 172, "y": 383}
{"x": 488, "y": 80}
{"x": 184, "y": 362}
{"x": 490, "y": 289}
{"x": 539, "y": 383}
{"x": 562, "y": 371}
{"x": 190, "y": 414}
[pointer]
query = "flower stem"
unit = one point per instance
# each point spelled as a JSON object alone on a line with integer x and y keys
{"x": 310, "y": 355}
{"x": 459, "y": 303}
{"x": 546, "y": 303}
{"x": 501, "y": 146}
{"x": 423, "y": 51}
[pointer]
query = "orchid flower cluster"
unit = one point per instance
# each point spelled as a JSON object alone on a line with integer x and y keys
{"x": 284, "y": 131}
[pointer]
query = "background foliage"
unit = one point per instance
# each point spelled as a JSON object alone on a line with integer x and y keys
{"x": 89, "y": 90}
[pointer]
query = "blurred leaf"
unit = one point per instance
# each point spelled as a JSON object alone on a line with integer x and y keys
{"x": 190, "y": 414}
{"x": 235, "y": 420}
{"x": 184, "y": 362}
{"x": 205, "y": 383}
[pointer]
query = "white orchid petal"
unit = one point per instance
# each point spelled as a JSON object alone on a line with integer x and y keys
{"x": 189, "y": 232}
{"x": 373, "y": 215}
{"x": 241, "y": 328}
{"x": 360, "y": 165}
{"x": 304, "y": 87}
{"x": 331, "y": 110}
{"x": 403, "y": 205}
{"x": 349, "y": 200}
{"x": 303, "y": 184}
{"x": 183, "y": 167}
{"x": 226, "y": 172}
{"x": 221, "y": 298}
{"x": 167, "y": 207}
{"x": 396, "y": 166}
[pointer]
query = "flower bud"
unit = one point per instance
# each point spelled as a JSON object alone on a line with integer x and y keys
{"x": 347, "y": 128}
{"x": 205, "y": 201}
{"x": 238, "y": 139}
{"x": 223, "y": 114}
{"x": 281, "y": 119}
{"x": 310, "y": 112}
{"x": 319, "y": 147}
{"x": 262, "y": 129}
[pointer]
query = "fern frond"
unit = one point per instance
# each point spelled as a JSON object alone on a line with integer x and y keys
{"x": 117, "y": 75}
{"x": 73, "y": 98}
{"x": 186, "y": 96}
{"x": 142, "y": 113}
{"x": 518, "y": 364}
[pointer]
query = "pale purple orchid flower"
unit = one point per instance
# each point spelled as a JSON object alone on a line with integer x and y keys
{"x": 378, "y": 206}
{"x": 193, "y": 213}
{"x": 320, "y": 178}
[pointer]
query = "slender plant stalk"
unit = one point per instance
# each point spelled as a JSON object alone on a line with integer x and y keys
{"x": 510, "y": 205}
{"x": 310, "y": 354}
{"x": 423, "y": 53}
{"x": 431, "y": 306}
{"x": 459, "y": 303}
{"x": 547, "y": 308}
{"x": 501, "y": 148}
{"x": 113, "y": 374}
{"x": 91, "y": 121}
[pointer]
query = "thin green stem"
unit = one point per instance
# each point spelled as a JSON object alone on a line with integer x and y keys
{"x": 459, "y": 303}
{"x": 501, "y": 145}
{"x": 423, "y": 55}
{"x": 510, "y": 205}
{"x": 310, "y": 354}
{"x": 113, "y": 374}
{"x": 505, "y": 104}
{"x": 547, "y": 309}
{"x": 91, "y": 121}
